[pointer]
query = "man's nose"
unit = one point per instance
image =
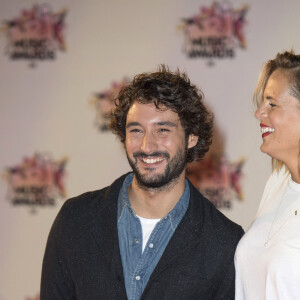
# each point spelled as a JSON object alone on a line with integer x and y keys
{"x": 149, "y": 143}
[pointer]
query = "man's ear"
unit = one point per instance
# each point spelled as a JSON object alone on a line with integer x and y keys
{"x": 193, "y": 139}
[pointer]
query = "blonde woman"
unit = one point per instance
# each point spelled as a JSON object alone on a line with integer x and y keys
{"x": 267, "y": 258}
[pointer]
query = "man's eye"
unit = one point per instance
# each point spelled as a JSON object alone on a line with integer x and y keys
{"x": 272, "y": 105}
{"x": 163, "y": 130}
{"x": 135, "y": 130}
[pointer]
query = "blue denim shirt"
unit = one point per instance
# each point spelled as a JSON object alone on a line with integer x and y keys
{"x": 137, "y": 265}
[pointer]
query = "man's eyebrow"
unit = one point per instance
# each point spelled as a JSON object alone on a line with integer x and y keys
{"x": 162, "y": 123}
{"x": 166, "y": 123}
{"x": 133, "y": 124}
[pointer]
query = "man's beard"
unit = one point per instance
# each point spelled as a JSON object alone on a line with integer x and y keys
{"x": 168, "y": 178}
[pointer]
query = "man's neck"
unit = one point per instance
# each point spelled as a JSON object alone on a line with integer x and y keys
{"x": 155, "y": 203}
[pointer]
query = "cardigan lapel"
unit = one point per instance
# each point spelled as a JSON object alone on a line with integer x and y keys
{"x": 105, "y": 232}
{"x": 187, "y": 232}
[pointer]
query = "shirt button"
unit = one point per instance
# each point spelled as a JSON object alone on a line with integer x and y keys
{"x": 136, "y": 241}
{"x": 137, "y": 277}
{"x": 151, "y": 245}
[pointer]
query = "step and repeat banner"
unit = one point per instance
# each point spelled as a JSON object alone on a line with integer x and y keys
{"x": 62, "y": 63}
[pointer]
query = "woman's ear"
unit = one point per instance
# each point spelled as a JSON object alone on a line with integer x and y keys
{"x": 193, "y": 139}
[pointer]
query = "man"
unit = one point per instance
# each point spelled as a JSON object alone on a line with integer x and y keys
{"x": 151, "y": 234}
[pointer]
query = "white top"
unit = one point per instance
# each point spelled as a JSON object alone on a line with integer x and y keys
{"x": 147, "y": 228}
{"x": 267, "y": 258}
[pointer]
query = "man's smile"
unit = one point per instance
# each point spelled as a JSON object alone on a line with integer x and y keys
{"x": 151, "y": 160}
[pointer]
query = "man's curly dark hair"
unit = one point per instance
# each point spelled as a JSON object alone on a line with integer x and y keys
{"x": 171, "y": 90}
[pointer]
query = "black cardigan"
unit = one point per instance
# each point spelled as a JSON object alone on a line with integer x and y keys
{"x": 82, "y": 258}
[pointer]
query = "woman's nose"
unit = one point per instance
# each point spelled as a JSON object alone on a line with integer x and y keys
{"x": 261, "y": 112}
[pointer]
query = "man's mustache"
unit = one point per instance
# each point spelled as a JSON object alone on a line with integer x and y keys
{"x": 153, "y": 154}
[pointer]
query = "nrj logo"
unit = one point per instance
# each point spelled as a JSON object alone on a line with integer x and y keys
{"x": 104, "y": 103}
{"x": 36, "y": 181}
{"x": 36, "y": 34}
{"x": 218, "y": 180}
{"x": 215, "y": 32}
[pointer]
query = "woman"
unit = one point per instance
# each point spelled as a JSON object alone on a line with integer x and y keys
{"x": 268, "y": 256}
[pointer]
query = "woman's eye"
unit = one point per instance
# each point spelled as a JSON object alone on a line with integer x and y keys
{"x": 272, "y": 105}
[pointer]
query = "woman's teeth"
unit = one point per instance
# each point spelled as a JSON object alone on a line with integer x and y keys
{"x": 266, "y": 129}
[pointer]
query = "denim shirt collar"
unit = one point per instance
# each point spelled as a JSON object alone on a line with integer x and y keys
{"x": 175, "y": 214}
